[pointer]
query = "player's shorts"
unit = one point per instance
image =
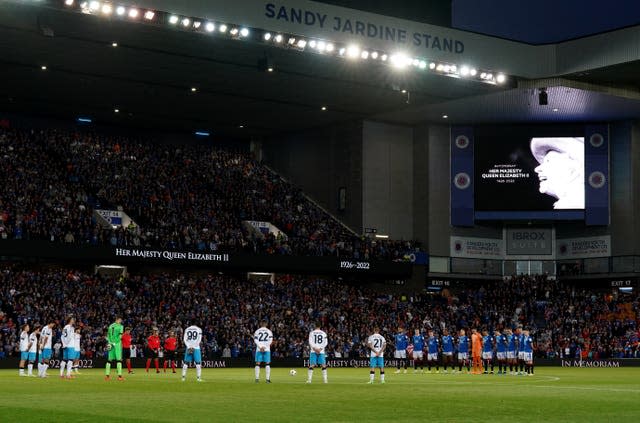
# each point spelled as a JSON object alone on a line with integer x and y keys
{"x": 45, "y": 354}
{"x": 75, "y": 354}
{"x": 195, "y": 356}
{"x": 511, "y": 355}
{"x": 463, "y": 356}
{"x": 149, "y": 353}
{"x": 24, "y": 355}
{"x": 418, "y": 355}
{"x": 170, "y": 355}
{"x": 527, "y": 356}
{"x": 432, "y": 357}
{"x": 448, "y": 353}
{"x": 263, "y": 356}
{"x": 376, "y": 362}
{"x": 67, "y": 353}
{"x": 115, "y": 353}
{"x": 501, "y": 355}
{"x": 126, "y": 353}
{"x": 487, "y": 355}
{"x": 316, "y": 359}
{"x": 400, "y": 354}
{"x": 520, "y": 355}
{"x": 31, "y": 356}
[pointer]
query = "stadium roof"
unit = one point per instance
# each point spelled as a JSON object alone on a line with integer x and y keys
{"x": 149, "y": 78}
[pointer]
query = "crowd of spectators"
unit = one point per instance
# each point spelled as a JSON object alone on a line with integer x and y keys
{"x": 191, "y": 197}
{"x": 565, "y": 321}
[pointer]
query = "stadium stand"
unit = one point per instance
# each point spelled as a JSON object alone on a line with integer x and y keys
{"x": 182, "y": 197}
{"x": 567, "y": 321}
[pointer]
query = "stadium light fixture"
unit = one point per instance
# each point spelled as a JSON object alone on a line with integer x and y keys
{"x": 489, "y": 76}
{"x": 446, "y": 68}
{"x": 364, "y": 54}
{"x": 321, "y": 46}
{"x": 244, "y": 32}
{"x": 120, "y": 10}
{"x": 196, "y": 24}
{"x": 267, "y": 36}
{"x": 464, "y": 70}
{"x": 114, "y": 44}
{"x": 323, "y": 108}
{"x": 186, "y": 22}
{"x": 353, "y": 51}
{"x": 43, "y": 67}
{"x": 501, "y": 78}
{"x": 107, "y": 9}
{"x": 473, "y": 72}
{"x": 329, "y": 48}
{"x": 313, "y": 43}
{"x": 133, "y": 13}
{"x": 399, "y": 60}
{"x": 234, "y": 31}
{"x": 173, "y": 19}
{"x": 68, "y": 2}
{"x": 483, "y": 75}
{"x": 149, "y": 14}
{"x": 194, "y": 89}
{"x": 302, "y": 44}
{"x": 291, "y": 41}
{"x": 422, "y": 65}
{"x": 209, "y": 27}
{"x": 384, "y": 57}
{"x": 445, "y": 116}
{"x": 278, "y": 38}
{"x": 380, "y": 236}
{"x": 432, "y": 65}
{"x": 116, "y": 110}
{"x": 223, "y": 28}
{"x": 374, "y": 55}
{"x": 94, "y": 6}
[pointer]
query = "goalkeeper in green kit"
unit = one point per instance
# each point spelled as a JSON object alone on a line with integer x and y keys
{"x": 114, "y": 348}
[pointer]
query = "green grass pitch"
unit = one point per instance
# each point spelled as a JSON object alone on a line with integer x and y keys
{"x": 231, "y": 395}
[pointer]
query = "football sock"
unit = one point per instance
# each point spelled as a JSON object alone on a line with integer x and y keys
{"x": 382, "y": 375}
{"x": 148, "y": 365}
{"x": 107, "y": 369}
{"x": 372, "y": 374}
{"x": 198, "y": 370}
{"x": 184, "y": 369}
{"x": 157, "y": 363}
{"x": 310, "y": 374}
{"x": 258, "y": 372}
{"x": 62, "y": 365}
{"x": 69, "y": 367}
{"x": 324, "y": 375}
{"x": 129, "y": 365}
{"x": 30, "y": 369}
{"x": 39, "y": 369}
{"x": 119, "y": 368}
{"x": 267, "y": 369}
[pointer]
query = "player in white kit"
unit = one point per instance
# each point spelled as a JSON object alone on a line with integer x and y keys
{"x": 77, "y": 336}
{"x": 67, "y": 337}
{"x": 24, "y": 348}
{"x": 192, "y": 338}
{"x": 317, "y": 343}
{"x": 376, "y": 344}
{"x": 33, "y": 349}
{"x": 46, "y": 337}
{"x": 263, "y": 338}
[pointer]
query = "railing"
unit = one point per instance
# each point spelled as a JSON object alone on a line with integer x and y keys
{"x": 574, "y": 267}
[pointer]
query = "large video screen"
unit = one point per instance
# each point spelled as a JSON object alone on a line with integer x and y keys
{"x": 530, "y": 170}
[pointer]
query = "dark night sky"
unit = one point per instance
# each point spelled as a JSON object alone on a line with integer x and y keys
{"x": 543, "y": 21}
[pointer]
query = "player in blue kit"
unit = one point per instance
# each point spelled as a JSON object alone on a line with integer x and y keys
{"x": 527, "y": 352}
{"x": 487, "y": 351}
{"x": 512, "y": 340}
{"x": 501, "y": 351}
{"x": 447, "y": 350}
{"x": 520, "y": 362}
{"x": 463, "y": 351}
{"x": 432, "y": 351}
{"x": 402, "y": 342}
{"x": 418, "y": 351}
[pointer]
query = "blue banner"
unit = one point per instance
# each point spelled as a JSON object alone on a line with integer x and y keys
{"x": 462, "y": 210}
{"x": 597, "y": 175}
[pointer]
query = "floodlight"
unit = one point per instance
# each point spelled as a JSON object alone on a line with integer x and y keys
{"x": 353, "y": 51}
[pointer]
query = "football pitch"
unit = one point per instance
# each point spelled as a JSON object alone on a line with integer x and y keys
{"x": 231, "y": 395}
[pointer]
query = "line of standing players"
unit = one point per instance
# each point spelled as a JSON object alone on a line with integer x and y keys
{"x": 479, "y": 353}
